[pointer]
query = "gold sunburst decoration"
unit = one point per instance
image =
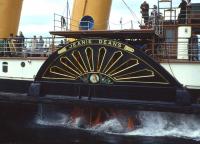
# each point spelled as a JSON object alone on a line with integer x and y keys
{"x": 99, "y": 64}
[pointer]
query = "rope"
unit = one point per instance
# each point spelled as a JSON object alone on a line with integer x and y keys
{"x": 133, "y": 14}
{"x": 120, "y": 24}
{"x": 168, "y": 61}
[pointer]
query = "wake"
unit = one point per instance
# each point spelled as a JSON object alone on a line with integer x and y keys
{"x": 154, "y": 124}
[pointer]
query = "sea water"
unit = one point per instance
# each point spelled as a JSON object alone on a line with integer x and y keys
{"x": 169, "y": 124}
{"x": 153, "y": 124}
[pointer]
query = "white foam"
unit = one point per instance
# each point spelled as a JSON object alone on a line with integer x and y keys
{"x": 168, "y": 124}
{"x": 58, "y": 119}
{"x": 112, "y": 125}
{"x": 152, "y": 124}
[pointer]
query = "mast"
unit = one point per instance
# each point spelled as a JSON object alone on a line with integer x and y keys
{"x": 10, "y": 11}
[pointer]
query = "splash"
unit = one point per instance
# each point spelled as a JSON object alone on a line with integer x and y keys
{"x": 168, "y": 124}
{"x": 53, "y": 119}
{"x": 154, "y": 124}
{"x": 65, "y": 120}
{"x": 109, "y": 126}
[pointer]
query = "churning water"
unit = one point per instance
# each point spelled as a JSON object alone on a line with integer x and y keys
{"x": 154, "y": 124}
{"x": 169, "y": 124}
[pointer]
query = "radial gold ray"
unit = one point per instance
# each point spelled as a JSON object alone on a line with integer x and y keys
{"x": 67, "y": 59}
{"x": 57, "y": 70}
{"x": 101, "y": 56}
{"x": 113, "y": 60}
{"x": 77, "y": 56}
{"x": 55, "y": 78}
{"x": 90, "y": 55}
{"x": 129, "y": 77}
{"x": 131, "y": 63}
{"x": 146, "y": 82}
{"x": 69, "y": 67}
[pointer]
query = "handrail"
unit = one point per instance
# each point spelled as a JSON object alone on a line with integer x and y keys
{"x": 189, "y": 16}
{"x": 165, "y": 50}
{"x": 28, "y": 48}
{"x": 174, "y": 51}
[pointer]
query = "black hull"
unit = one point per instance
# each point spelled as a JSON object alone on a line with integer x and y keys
{"x": 146, "y": 98}
{"x": 19, "y": 112}
{"x": 90, "y": 74}
{"x": 18, "y": 126}
{"x": 141, "y": 105}
{"x": 14, "y": 86}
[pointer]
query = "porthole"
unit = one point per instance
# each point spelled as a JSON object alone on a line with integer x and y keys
{"x": 23, "y": 64}
{"x": 86, "y": 23}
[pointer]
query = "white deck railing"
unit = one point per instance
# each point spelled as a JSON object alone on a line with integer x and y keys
{"x": 26, "y": 47}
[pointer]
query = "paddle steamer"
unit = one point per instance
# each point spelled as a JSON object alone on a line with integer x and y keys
{"x": 99, "y": 71}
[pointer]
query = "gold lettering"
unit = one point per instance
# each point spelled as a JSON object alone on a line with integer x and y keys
{"x": 70, "y": 46}
{"x": 83, "y": 42}
{"x": 114, "y": 44}
{"x": 96, "y": 41}
{"x": 100, "y": 41}
{"x": 119, "y": 45}
{"x": 74, "y": 44}
{"x": 105, "y": 42}
{"x": 109, "y": 42}
{"x": 89, "y": 41}
{"x": 79, "y": 43}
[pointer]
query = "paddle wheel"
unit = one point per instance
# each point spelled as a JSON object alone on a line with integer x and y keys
{"x": 95, "y": 80}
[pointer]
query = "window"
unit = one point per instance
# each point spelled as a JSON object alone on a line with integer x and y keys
{"x": 5, "y": 67}
{"x": 170, "y": 35}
